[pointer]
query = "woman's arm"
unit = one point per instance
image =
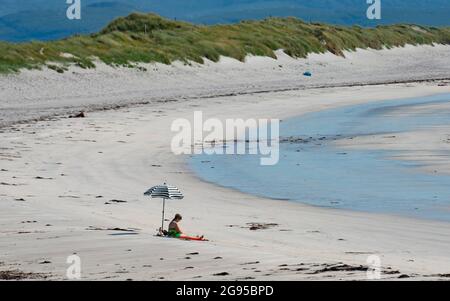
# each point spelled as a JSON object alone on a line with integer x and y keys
{"x": 177, "y": 227}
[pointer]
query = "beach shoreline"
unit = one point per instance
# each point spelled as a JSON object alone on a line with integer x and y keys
{"x": 34, "y": 95}
{"x": 367, "y": 157}
{"x": 74, "y": 186}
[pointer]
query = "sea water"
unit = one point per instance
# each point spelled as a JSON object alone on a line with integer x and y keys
{"x": 312, "y": 169}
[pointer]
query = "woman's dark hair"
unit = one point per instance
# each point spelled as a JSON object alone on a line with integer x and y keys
{"x": 178, "y": 216}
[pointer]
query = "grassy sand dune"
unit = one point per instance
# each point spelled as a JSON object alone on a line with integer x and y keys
{"x": 151, "y": 38}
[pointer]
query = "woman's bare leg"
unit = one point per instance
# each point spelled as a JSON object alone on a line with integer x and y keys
{"x": 191, "y": 237}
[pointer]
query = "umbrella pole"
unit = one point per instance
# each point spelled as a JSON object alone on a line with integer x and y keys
{"x": 162, "y": 221}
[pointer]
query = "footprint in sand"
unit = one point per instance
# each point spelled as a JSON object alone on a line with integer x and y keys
{"x": 42, "y": 178}
{"x": 248, "y": 263}
{"x": 221, "y": 274}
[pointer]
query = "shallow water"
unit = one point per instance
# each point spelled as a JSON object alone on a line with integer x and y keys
{"x": 317, "y": 172}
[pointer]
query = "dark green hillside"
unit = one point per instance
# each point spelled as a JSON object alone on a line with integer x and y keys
{"x": 151, "y": 38}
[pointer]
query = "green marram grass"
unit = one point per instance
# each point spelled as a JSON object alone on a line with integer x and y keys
{"x": 150, "y": 38}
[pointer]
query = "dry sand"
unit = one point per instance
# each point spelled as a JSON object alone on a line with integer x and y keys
{"x": 61, "y": 180}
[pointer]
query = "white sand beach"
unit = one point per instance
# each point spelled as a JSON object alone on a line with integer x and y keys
{"x": 72, "y": 185}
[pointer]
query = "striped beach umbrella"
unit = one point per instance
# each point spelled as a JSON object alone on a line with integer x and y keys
{"x": 165, "y": 192}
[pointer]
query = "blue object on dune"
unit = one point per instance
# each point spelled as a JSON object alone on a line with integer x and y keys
{"x": 307, "y": 73}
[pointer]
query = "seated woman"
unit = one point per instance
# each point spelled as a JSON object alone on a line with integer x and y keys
{"x": 175, "y": 230}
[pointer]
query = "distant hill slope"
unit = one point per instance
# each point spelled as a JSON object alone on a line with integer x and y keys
{"x": 53, "y": 24}
{"x": 151, "y": 38}
{"x": 45, "y": 20}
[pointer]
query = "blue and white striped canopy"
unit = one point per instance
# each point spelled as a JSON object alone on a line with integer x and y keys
{"x": 165, "y": 192}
